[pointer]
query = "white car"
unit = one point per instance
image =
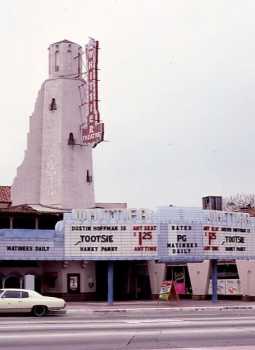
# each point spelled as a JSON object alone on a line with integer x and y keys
{"x": 24, "y": 300}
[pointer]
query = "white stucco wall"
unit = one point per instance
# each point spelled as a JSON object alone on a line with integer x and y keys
{"x": 53, "y": 173}
{"x": 246, "y": 272}
{"x": 64, "y": 167}
{"x": 199, "y": 274}
{"x": 26, "y": 185}
{"x": 157, "y": 275}
{"x": 65, "y": 60}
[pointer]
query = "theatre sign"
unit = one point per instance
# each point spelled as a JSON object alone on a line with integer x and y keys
{"x": 92, "y": 131}
{"x": 115, "y": 241}
{"x": 170, "y": 234}
{"x": 227, "y": 241}
{"x": 184, "y": 240}
{"x": 174, "y": 235}
{"x": 21, "y": 244}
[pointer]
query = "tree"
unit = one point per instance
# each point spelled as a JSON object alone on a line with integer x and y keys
{"x": 239, "y": 201}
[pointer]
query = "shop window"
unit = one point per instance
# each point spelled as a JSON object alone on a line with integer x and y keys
{"x": 73, "y": 283}
{"x": 12, "y": 282}
{"x": 179, "y": 274}
{"x": 227, "y": 271}
{"x": 4, "y": 221}
{"x": 25, "y": 221}
{"x": 51, "y": 283}
{"x": 48, "y": 222}
{"x": 53, "y": 105}
{"x": 50, "y": 280}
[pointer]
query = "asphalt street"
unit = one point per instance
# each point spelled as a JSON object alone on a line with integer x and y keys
{"x": 205, "y": 329}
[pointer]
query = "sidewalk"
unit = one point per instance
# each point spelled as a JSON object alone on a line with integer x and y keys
{"x": 143, "y": 306}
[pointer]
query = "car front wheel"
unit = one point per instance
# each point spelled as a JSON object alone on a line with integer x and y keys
{"x": 39, "y": 310}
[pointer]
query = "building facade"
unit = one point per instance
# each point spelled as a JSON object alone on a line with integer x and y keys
{"x": 66, "y": 250}
{"x": 145, "y": 247}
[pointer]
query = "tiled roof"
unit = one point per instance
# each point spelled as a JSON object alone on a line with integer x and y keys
{"x": 44, "y": 209}
{"x": 28, "y": 209}
{"x": 64, "y": 41}
{"x": 5, "y": 194}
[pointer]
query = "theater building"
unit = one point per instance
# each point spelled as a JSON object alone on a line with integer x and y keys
{"x": 56, "y": 238}
{"x": 145, "y": 247}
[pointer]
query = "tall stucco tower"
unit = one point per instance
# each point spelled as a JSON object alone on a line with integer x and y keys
{"x": 57, "y": 168}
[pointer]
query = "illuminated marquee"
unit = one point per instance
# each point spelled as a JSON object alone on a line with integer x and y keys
{"x": 183, "y": 240}
{"x": 92, "y": 132}
{"x": 222, "y": 241}
{"x": 111, "y": 241}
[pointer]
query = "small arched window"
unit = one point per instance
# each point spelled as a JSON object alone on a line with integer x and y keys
{"x": 71, "y": 140}
{"x": 88, "y": 177}
{"x": 56, "y": 61}
{"x": 53, "y": 105}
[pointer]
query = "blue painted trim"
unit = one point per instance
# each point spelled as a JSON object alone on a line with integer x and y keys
{"x": 214, "y": 280}
{"x": 28, "y": 234}
{"x": 110, "y": 272}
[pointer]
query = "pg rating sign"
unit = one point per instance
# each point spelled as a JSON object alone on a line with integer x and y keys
{"x": 183, "y": 241}
{"x": 111, "y": 241}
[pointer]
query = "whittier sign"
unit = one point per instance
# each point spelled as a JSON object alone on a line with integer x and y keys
{"x": 92, "y": 131}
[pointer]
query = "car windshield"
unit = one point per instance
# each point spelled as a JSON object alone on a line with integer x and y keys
{"x": 1, "y": 292}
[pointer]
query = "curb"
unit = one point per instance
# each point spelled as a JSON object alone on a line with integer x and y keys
{"x": 165, "y": 309}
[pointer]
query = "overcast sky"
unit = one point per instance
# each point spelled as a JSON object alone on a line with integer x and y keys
{"x": 177, "y": 84}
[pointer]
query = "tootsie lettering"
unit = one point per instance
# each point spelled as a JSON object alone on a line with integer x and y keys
{"x": 96, "y": 238}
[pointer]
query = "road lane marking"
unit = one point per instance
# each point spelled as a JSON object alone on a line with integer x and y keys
{"x": 181, "y": 324}
{"x": 159, "y": 325}
{"x": 124, "y": 332}
{"x": 234, "y": 347}
{"x": 47, "y": 321}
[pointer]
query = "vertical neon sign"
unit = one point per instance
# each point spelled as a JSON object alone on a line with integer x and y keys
{"x": 92, "y": 132}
